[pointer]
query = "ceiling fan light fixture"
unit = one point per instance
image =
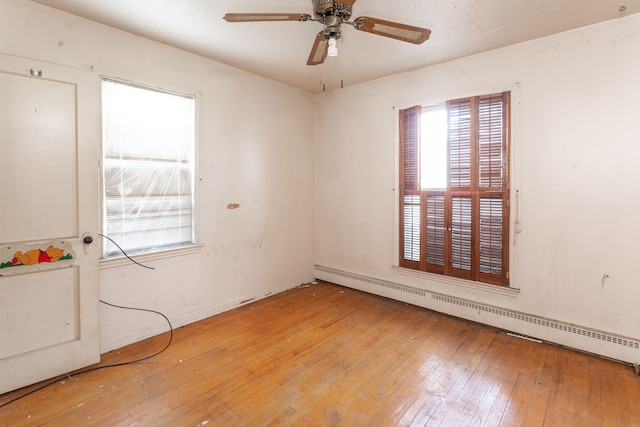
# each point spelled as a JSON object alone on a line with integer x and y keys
{"x": 332, "y": 50}
{"x": 332, "y": 14}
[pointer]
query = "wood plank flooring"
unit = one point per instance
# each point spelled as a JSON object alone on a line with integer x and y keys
{"x": 326, "y": 355}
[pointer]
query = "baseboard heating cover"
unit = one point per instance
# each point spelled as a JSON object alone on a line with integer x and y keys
{"x": 590, "y": 333}
{"x": 593, "y": 334}
{"x": 371, "y": 281}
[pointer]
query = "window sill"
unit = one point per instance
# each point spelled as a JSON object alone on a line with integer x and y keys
{"x": 476, "y": 286}
{"x": 121, "y": 261}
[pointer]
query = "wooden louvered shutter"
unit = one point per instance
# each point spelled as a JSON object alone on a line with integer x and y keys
{"x": 460, "y": 144}
{"x": 409, "y": 146}
{"x": 435, "y": 225}
{"x": 410, "y": 197}
{"x": 478, "y": 197}
{"x": 493, "y": 188}
{"x": 461, "y": 134}
{"x": 463, "y": 230}
{"x": 462, "y": 237}
{"x": 491, "y": 142}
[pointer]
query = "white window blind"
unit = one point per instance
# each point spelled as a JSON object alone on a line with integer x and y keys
{"x": 148, "y": 168}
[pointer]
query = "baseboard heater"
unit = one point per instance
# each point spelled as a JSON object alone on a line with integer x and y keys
{"x": 321, "y": 272}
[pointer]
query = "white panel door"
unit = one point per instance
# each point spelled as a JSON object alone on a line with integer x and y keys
{"x": 49, "y": 206}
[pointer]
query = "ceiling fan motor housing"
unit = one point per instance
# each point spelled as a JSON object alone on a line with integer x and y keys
{"x": 332, "y": 27}
{"x": 322, "y": 7}
{"x": 325, "y": 9}
{"x": 331, "y": 14}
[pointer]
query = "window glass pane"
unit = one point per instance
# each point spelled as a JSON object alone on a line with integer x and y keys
{"x": 148, "y": 146}
{"x": 433, "y": 147}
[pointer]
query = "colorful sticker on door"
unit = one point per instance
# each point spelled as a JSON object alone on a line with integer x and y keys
{"x": 22, "y": 258}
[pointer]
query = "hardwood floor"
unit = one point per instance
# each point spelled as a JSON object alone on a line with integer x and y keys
{"x": 325, "y": 355}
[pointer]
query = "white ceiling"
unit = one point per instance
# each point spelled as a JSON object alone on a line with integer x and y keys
{"x": 279, "y": 50}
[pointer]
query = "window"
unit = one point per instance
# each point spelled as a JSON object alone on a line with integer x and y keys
{"x": 148, "y": 168}
{"x": 454, "y": 182}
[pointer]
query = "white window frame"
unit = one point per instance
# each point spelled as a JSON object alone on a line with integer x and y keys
{"x": 118, "y": 259}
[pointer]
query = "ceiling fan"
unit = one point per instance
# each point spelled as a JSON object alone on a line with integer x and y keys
{"x": 332, "y": 14}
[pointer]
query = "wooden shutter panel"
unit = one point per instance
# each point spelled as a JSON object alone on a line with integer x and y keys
{"x": 491, "y": 235}
{"x": 409, "y": 140}
{"x": 435, "y": 232}
{"x": 411, "y": 229}
{"x": 411, "y": 203}
{"x": 460, "y": 140}
{"x": 493, "y": 188}
{"x": 461, "y": 236}
{"x": 491, "y": 141}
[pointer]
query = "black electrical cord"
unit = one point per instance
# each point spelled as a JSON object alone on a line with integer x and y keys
{"x": 124, "y": 253}
{"x": 105, "y": 366}
{"x": 142, "y": 358}
{"x": 112, "y": 365}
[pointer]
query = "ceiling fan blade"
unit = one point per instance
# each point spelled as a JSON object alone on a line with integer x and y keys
{"x": 319, "y": 50}
{"x": 346, "y": 2}
{"x": 262, "y": 17}
{"x": 394, "y": 30}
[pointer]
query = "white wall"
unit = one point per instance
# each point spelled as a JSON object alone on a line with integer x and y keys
{"x": 255, "y": 149}
{"x": 575, "y": 146}
{"x": 576, "y": 151}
